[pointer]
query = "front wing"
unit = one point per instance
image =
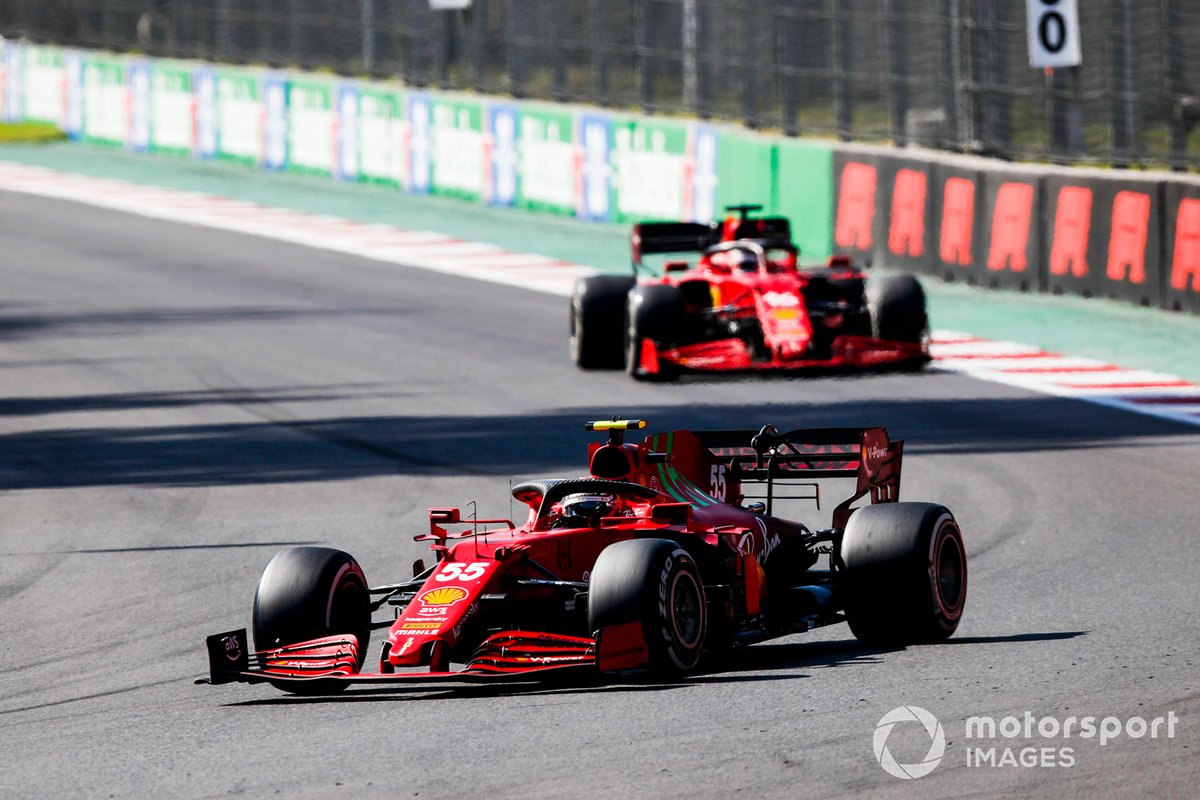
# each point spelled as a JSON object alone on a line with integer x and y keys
{"x": 733, "y": 354}
{"x": 507, "y": 655}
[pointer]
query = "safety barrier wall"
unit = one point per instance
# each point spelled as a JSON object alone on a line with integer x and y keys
{"x": 570, "y": 160}
{"x": 1128, "y": 236}
{"x": 1125, "y": 236}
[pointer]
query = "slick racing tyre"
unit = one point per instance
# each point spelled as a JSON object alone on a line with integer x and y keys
{"x": 656, "y": 313}
{"x": 906, "y": 573}
{"x": 654, "y": 582}
{"x": 309, "y": 592}
{"x": 598, "y": 320}
{"x": 897, "y": 306}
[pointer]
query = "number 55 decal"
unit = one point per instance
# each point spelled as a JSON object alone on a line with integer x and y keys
{"x": 456, "y": 570}
{"x": 718, "y": 482}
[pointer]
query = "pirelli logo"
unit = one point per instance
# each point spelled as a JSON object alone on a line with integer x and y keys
{"x": 420, "y": 626}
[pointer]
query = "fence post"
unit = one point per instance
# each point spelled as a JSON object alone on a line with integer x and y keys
{"x": 295, "y": 32}
{"x": 785, "y": 28}
{"x": 367, "y": 13}
{"x": 991, "y": 67}
{"x": 1184, "y": 108}
{"x": 558, "y": 68}
{"x": 477, "y": 21}
{"x": 1123, "y": 131}
{"x": 691, "y": 77}
{"x": 843, "y": 91}
{"x": 599, "y": 52}
{"x": 644, "y": 63}
{"x": 898, "y": 67}
{"x": 224, "y": 40}
{"x": 749, "y": 64}
{"x": 950, "y": 75}
{"x": 514, "y": 58}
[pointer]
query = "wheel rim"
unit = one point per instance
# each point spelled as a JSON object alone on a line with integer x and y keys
{"x": 949, "y": 575}
{"x": 687, "y": 615}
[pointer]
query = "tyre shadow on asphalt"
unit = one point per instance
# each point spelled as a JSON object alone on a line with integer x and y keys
{"x": 742, "y": 666}
{"x": 542, "y": 442}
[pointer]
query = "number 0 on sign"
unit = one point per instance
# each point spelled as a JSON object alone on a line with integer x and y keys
{"x": 1053, "y": 32}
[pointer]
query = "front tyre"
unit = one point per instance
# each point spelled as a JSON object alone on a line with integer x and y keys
{"x": 897, "y": 307}
{"x": 307, "y": 593}
{"x": 654, "y": 582}
{"x": 598, "y": 320}
{"x": 906, "y": 573}
{"x": 656, "y": 314}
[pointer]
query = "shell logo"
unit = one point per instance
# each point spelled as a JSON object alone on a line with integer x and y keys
{"x": 443, "y": 596}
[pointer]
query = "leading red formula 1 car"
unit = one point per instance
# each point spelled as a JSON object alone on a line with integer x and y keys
{"x": 666, "y": 548}
{"x": 745, "y": 304}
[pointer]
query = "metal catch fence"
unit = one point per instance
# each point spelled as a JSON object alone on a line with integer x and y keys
{"x": 952, "y": 74}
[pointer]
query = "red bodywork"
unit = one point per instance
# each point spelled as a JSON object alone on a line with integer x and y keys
{"x": 506, "y": 599}
{"x": 765, "y": 312}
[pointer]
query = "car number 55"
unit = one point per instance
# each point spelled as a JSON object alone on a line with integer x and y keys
{"x": 717, "y": 482}
{"x": 456, "y": 570}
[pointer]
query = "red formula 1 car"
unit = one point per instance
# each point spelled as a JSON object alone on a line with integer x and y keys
{"x": 744, "y": 305}
{"x": 665, "y": 549}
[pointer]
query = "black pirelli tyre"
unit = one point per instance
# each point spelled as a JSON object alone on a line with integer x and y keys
{"x": 906, "y": 573}
{"x": 309, "y": 592}
{"x": 656, "y": 313}
{"x": 897, "y": 307}
{"x": 597, "y": 323}
{"x": 654, "y": 582}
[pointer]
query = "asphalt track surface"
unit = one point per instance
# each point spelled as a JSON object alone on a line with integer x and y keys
{"x": 179, "y": 403}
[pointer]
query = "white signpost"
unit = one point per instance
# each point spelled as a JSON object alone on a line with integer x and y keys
{"x": 1053, "y": 31}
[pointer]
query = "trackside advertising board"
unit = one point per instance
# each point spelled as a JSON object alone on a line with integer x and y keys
{"x": 172, "y": 104}
{"x": 12, "y": 81}
{"x": 45, "y": 100}
{"x": 105, "y": 101}
{"x": 649, "y": 162}
{"x": 240, "y": 118}
{"x": 1029, "y": 228}
{"x": 382, "y": 136}
{"x": 310, "y": 124}
{"x": 501, "y": 143}
{"x": 547, "y": 162}
{"x": 458, "y": 156}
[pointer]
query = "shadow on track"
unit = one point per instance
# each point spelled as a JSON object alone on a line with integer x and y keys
{"x": 283, "y": 448}
{"x": 781, "y": 660}
{"x": 132, "y": 321}
{"x": 133, "y": 401}
{"x": 89, "y": 551}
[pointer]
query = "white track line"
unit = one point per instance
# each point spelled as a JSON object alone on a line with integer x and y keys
{"x": 1014, "y": 364}
{"x": 1010, "y": 363}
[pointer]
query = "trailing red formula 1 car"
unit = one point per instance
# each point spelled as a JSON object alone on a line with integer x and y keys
{"x": 744, "y": 305}
{"x": 666, "y": 548}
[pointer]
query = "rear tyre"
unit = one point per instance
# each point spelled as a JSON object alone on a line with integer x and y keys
{"x": 656, "y": 314}
{"x": 309, "y": 592}
{"x": 897, "y": 306}
{"x": 654, "y": 582}
{"x": 906, "y": 573}
{"x": 597, "y": 323}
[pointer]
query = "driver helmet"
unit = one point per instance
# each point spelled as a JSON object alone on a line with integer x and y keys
{"x": 591, "y": 506}
{"x": 743, "y": 260}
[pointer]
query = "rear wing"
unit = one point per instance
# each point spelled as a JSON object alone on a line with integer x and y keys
{"x": 865, "y": 454}
{"x": 647, "y": 238}
{"x": 770, "y": 228}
